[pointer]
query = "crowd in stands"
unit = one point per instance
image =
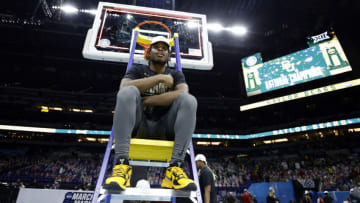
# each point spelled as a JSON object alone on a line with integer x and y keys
{"x": 334, "y": 173}
{"x": 50, "y": 171}
{"x": 332, "y": 170}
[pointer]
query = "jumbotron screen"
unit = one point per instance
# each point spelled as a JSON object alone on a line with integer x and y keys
{"x": 320, "y": 60}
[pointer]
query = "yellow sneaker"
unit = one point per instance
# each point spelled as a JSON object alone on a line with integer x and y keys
{"x": 176, "y": 178}
{"x": 120, "y": 178}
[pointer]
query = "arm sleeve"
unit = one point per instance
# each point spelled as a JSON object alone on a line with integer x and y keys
{"x": 134, "y": 72}
{"x": 178, "y": 77}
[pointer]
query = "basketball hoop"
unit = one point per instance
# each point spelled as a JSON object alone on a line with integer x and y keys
{"x": 145, "y": 41}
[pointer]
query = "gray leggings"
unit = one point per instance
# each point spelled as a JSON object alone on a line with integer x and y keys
{"x": 177, "y": 124}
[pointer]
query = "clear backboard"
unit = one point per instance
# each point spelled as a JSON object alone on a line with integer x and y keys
{"x": 114, "y": 26}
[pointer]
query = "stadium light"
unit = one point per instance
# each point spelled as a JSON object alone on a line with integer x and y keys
{"x": 56, "y": 108}
{"x": 129, "y": 17}
{"x": 203, "y": 143}
{"x": 238, "y": 30}
{"x": 69, "y": 9}
{"x": 275, "y": 141}
{"x": 215, "y": 27}
{"x": 92, "y": 11}
{"x": 90, "y": 139}
{"x": 72, "y": 10}
{"x": 74, "y": 110}
{"x": 44, "y": 109}
{"x": 192, "y": 24}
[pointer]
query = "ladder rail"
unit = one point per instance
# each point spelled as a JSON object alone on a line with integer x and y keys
{"x": 194, "y": 172}
{"x": 101, "y": 177}
{"x": 104, "y": 164}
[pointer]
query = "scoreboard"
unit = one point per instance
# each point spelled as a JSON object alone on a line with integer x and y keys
{"x": 320, "y": 60}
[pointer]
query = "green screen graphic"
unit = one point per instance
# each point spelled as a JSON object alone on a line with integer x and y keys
{"x": 318, "y": 61}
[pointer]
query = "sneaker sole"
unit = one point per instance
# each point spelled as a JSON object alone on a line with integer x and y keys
{"x": 113, "y": 186}
{"x": 189, "y": 187}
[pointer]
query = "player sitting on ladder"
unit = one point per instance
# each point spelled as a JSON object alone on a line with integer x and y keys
{"x": 153, "y": 102}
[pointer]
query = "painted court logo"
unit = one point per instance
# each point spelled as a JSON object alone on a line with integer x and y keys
{"x": 78, "y": 197}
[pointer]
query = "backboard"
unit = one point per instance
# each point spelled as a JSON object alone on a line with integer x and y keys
{"x": 114, "y": 25}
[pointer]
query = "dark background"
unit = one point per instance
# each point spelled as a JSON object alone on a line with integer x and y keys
{"x": 42, "y": 64}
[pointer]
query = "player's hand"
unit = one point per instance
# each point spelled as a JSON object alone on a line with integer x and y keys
{"x": 168, "y": 80}
{"x": 148, "y": 101}
{"x": 144, "y": 101}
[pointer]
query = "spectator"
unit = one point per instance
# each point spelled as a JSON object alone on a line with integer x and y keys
{"x": 254, "y": 200}
{"x": 328, "y": 198}
{"x": 307, "y": 198}
{"x": 271, "y": 197}
{"x": 230, "y": 198}
{"x": 320, "y": 199}
{"x": 245, "y": 197}
{"x": 206, "y": 179}
{"x": 56, "y": 185}
{"x": 34, "y": 184}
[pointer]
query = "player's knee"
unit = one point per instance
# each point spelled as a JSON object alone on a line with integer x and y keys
{"x": 188, "y": 101}
{"x": 127, "y": 94}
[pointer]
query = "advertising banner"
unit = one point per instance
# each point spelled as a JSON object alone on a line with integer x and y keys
{"x": 27, "y": 195}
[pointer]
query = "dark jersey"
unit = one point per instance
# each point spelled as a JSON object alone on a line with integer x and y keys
{"x": 271, "y": 199}
{"x": 206, "y": 177}
{"x": 328, "y": 199}
{"x": 143, "y": 71}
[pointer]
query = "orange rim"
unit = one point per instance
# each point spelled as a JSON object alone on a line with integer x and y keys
{"x": 147, "y": 46}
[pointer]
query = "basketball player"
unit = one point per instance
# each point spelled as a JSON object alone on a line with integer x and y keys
{"x": 153, "y": 102}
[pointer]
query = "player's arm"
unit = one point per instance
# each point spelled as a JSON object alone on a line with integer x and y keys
{"x": 167, "y": 98}
{"x": 144, "y": 83}
{"x": 207, "y": 190}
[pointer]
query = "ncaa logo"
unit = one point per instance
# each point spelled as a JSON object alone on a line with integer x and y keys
{"x": 68, "y": 195}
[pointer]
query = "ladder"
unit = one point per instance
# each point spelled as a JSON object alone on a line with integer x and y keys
{"x": 158, "y": 151}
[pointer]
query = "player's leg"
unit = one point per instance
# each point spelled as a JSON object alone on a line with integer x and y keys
{"x": 128, "y": 114}
{"x": 181, "y": 121}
